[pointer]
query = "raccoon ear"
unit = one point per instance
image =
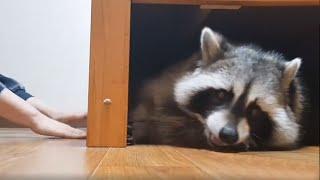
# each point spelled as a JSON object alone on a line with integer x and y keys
{"x": 210, "y": 45}
{"x": 290, "y": 71}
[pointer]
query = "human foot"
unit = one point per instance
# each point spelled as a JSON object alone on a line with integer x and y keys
{"x": 65, "y": 117}
{"x": 50, "y": 127}
{"x": 69, "y": 117}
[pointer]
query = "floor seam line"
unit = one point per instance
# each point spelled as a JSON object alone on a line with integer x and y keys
{"x": 191, "y": 161}
{"x": 98, "y": 165}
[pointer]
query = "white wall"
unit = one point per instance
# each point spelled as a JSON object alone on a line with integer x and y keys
{"x": 45, "y": 45}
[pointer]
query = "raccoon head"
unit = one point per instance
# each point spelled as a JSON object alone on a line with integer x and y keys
{"x": 243, "y": 95}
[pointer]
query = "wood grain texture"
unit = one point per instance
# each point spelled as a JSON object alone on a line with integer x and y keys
{"x": 109, "y": 71}
{"x": 234, "y": 2}
{"x": 165, "y": 162}
{"x": 24, "y": 155}
{"x": 146, "y": 162}
{"x": 226, "y": 7}
{"x": 252, "y": 165}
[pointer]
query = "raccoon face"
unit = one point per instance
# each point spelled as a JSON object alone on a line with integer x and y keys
{"x": 244, "y": 96}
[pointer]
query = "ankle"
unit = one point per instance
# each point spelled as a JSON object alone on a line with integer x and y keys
{"x": 36, "y": 121}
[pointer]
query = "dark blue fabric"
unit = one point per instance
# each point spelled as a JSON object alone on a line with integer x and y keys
{"x": 14, "y": 86}
{"x": 2, "y": 86}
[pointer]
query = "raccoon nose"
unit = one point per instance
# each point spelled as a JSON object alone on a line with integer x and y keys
{"x": 228, "y": 135}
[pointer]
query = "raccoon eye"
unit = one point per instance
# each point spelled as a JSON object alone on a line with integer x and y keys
{"x": 209, "y": 99}
{"x": 259, "y": 122}
{"x": 221, "y": 96}
{"x": 254, "y": 113}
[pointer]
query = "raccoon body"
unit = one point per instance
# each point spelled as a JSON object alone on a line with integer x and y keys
{"x": 225, "y": 96}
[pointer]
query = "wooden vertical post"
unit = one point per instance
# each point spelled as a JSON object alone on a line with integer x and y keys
{"x": 109, "y": 71}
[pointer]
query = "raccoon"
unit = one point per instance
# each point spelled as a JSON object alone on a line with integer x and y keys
{"x": 226, "y": 96}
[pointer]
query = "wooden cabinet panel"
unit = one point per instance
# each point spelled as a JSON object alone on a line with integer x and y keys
{"x": 234, "y": 2}
{"x": 109, "y": 71}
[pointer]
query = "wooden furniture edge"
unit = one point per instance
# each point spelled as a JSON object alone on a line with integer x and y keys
{"x": 109, "y": 73}
{"x": 233, "y": 2}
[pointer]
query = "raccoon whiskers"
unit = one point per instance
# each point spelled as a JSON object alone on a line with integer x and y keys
{"x": 199, "y": 118}
{"x": 246, "y": 145}
{"x": 251, "y": 143}
{"x": 255, "y": 143}
{"x": 192, "y": 114}
{"x": 253, "y": 134}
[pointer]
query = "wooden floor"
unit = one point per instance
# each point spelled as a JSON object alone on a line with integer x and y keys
{"x": 28, "y": 156}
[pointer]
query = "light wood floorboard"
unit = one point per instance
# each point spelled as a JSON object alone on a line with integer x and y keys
{"x": 24, "y": 155}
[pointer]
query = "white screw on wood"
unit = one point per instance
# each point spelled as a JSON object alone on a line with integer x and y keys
{"x": 107, "y": 101}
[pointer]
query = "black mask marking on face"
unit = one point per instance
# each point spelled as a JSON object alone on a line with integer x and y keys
{"x": 210, "y": 99}
{"x": 260, "y": 124}
{"x": 239, "y": 108}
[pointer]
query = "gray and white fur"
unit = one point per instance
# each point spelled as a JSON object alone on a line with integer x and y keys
{"x": 226, "y": 96}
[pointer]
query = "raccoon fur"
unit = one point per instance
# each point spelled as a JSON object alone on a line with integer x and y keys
{"x": 224, "y": 97}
